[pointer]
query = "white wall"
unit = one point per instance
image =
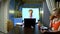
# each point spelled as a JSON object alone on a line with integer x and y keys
{"x": 4, "y": 16}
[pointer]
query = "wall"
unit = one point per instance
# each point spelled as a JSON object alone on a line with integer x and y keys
{"x": 11, "y": 7}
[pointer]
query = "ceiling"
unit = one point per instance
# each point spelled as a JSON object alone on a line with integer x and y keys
{"x": 33, "y": 1}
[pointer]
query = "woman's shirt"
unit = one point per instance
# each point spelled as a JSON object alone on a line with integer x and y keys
{"x": 55, "y": 24}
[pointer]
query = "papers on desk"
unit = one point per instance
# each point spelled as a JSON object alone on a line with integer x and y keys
{"x": 19, "y": 23}
{"x": 43, "y": 27}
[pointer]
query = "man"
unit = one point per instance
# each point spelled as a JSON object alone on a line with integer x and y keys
{"x": 31, "y": 16}
{"x": 30, "y": 12}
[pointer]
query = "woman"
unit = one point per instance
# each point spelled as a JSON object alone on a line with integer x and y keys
{"x": 55, "y": 20}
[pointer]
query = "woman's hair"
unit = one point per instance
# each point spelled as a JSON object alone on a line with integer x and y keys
{"x": 52, "y": 17}
{"x": 57, "y": 10}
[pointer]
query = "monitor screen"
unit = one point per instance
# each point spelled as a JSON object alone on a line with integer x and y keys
{"x": 29, "y": 22}
{"x": 26, "y": 14}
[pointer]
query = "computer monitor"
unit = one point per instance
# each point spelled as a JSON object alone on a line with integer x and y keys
{"x": 28, "y": 22}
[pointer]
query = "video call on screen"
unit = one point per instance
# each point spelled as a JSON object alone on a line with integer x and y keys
{"x": 25, "y": 13}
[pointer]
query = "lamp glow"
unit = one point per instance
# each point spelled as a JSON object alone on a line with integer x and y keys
{"x": 11, "y": 11}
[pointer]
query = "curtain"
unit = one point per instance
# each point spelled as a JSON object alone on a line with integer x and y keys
{"x": 51, "y": 5}
{"x": 4, "y": 15}
{"x": 58, "y": 4}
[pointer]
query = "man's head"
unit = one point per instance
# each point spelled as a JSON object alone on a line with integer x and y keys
{"x": 30, "y": 11}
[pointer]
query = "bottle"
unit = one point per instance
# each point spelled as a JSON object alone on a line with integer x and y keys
{"x": 39, "y": 25}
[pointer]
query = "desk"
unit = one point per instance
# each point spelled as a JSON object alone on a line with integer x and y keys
{"x": 21, "y": 30}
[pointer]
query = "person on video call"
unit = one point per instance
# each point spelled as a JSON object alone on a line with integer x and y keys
{"x": 30, "y": 13}
{"x": 55, "y": 20}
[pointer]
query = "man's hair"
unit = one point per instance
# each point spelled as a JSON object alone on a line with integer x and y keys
{"x": 31, "y": 10}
